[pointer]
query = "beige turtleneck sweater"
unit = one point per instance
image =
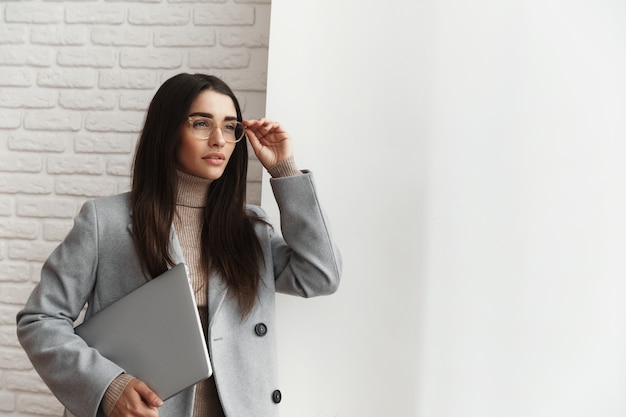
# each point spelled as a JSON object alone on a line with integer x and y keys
{"x": 190, "y": 203}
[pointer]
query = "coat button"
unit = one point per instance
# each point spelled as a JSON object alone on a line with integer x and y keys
{"x": 260, "y": 329}
{"x": 277, "y": 396}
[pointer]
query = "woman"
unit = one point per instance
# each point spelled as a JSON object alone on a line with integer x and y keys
{"x": 187, "y": 204}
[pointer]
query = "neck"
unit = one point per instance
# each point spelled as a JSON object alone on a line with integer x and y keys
{"x": 192, "y": 190}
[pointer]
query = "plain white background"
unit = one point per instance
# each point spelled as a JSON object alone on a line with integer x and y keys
{"x": 470, "y": 155}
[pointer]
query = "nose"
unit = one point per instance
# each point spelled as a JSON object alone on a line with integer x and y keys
{"x": 216, "y": 139}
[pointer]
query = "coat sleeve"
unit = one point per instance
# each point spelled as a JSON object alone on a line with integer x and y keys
{"x": 306, "y": 261}
{"x": 76, "y": 374}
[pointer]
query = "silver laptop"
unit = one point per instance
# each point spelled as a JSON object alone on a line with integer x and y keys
{"x": 154, "y": 333}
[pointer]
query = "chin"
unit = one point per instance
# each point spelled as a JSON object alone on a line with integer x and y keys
{"x": 212, "y": 175}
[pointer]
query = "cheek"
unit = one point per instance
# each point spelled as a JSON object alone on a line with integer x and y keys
{"x": 179, "y": 153}
{"x": 185, "y": 150}
{"x": 184, "y": 155}
{"x": 231, "y": 151}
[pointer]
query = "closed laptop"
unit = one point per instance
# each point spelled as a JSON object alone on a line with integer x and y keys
{"x": 154, "y": 333}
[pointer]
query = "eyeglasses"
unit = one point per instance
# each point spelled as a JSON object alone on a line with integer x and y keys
{"x": 203, "y": 127}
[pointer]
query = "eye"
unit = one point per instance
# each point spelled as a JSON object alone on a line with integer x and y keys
{"x": 230, "y": 127}
{"x": 202, "y": 123}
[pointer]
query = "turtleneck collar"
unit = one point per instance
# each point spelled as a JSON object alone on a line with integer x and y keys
{"x": 192, "y": 190}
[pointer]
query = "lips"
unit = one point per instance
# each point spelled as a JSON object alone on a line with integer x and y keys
{"x": 215, "y": 156}
{"x": 215, "y": 159}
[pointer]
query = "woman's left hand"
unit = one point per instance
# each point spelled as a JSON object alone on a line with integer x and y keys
{"x": 270, "y": 142}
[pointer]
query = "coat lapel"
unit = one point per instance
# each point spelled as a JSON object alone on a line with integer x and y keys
{"x": 176, "y": 252}
{"x": 217, "y": 288}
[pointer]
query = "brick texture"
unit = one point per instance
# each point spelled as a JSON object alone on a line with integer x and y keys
{"x": 75, "y": 81}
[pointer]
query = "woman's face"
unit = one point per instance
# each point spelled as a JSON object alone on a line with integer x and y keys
{"x": 207, "y": 158}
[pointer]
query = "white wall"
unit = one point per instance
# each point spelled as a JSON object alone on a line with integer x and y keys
{"x": 470, "y": 155}
{"x": 75, "y": 80}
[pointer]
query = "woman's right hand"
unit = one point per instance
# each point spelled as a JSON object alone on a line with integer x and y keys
{"x": 137, "y": 400}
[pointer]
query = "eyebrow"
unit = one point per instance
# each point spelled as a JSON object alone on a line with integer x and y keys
{"x": 210, "y": 116}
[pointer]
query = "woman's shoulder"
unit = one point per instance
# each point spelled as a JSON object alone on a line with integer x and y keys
{"x": 114, "y": 205}
{"x": 255, "y": 211}
{"x": 122, "y": 199}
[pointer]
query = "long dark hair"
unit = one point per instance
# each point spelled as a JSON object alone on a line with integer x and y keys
{"x": 229, "y": 244}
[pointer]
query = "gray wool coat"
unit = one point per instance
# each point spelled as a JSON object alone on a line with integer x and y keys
{"x": 97, "y": 264}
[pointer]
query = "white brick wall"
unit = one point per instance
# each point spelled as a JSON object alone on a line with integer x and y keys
{"x": 75, "y": 80}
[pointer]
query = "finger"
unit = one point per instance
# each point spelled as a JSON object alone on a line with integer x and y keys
{"x": 271, "y": 126}
{"x": 257, "y": 136}
{"x": 149, "y": 396}
{"x": 132, "y": 402}
{"x": 255, "y": 123}
{"x": 266, "y": 132}
{"x": 254, "y": 141}
{"x": 251, "y": 132}
{"x": 261, "y": 125}
{"x": 252, "y": 127}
